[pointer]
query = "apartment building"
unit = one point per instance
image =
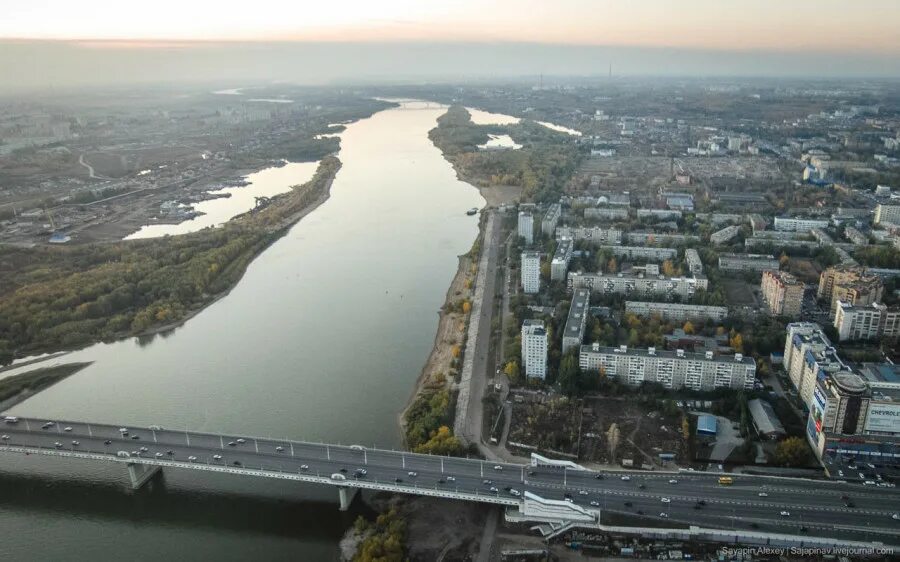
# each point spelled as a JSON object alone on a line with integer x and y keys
{"x": 887, "y": 214}
{"x": 573, "y": 334}
{"x": 534, "y": 349}
{"x": 724, "y": 235}
{"x": 551, "y": 219}
{"x": 638, "y": 285}
{"x": 850, "y": 284}
{"x": 531, "y": 272}
{"x": 807, "y": 353}
{"x": 605, "y": 213}
{"x": 526, "y": 226}
{"x": 855, "y": 236}
{"x": 676, "y": 311}
{"x": 644, "y": 237}
{"x": 647, "y": 253}
{"x": 594, "y": 234}
{"x": 866, "y": 322}
{"x": 660, "y": 214}
{"x": 796, "y": 224}
{"x": 692, "y": 259}
{"x": 783, "y": 293}
{"x": 672, "y": 369}
{"x": 559, "y": 265}
{"x": 747, "y": 262}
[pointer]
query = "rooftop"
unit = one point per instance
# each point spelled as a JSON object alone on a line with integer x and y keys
{"x": 580, "y": 304}
{"x": 677, "y": 353}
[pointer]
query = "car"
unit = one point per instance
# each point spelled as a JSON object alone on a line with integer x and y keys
{"x": 159, "y": 455}
{"x": 241, "y": 440}
{"x": 5, "y": 437}
{"x": 232, "y": 444}
{"x": 135, "y": 437}
{"x": 192, "y": 458}
{"x": 343, "y": 470}
{"x": 107, "y": 442}
{"x": 666, "y": 500}
{"x": 58, "y": 445}
{"x": 236, "y": 463}
{"x": 870, "y": 465}
{"x": 412, "y": 474}
{"x": 508, "y": 488}
{"x": 76, "y": 443}
{"x": 896, "y": 516}
{"x": 155, "y": 428}
{"x": 785, "y": 514}
{"x": 217, "y": 457}
{"x": 135, "y": 453}
{"x": 280, "y": 449}
{"x": 570, "y": 500}
{"x": 67, "y": 428}
{"x": 582, "y": 492}
{"x": 123, "y": 454}
{"x": 515, "y": 493}
{"x": 487, "y": 482}
{"x": 663, "y": 514}
{"x": 498, "y": 467}
{"x": 840, "y": 473}
{"x": 47, "y": 425}
{"x": 304, "y": 467}
{"x": 143, "y": 449}
{"x": 361, "y": 472}
{"x": 357, "y": 447}
{"x": 595, "y": 503}
{"x": 628, "y": 504}
{"x": 626, "y": 478}
{"x": 11, "y": 419}
{"x": 862, "y": 476}
{"x": 868, "y": 483}
{"x": 494, "y": 489}
{"x": 763, "y": 495}
{"x": 451, "y": 479}
{"x": 701, "y": 502}
{"x": 673, "y": 481}
{"x": 849, "y": 504}
{"x": 398, "y": 480}
{"x": 123, "y": 430}
{"x": 170, "y": 452}
{"x": 338, "y": 476}
{"x": 754, "y": 526}
{"x": 598, "y": 477}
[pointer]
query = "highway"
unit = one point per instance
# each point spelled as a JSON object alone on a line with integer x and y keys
{"x": 816, "y": 508}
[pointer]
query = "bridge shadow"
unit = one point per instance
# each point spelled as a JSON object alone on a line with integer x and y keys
{"x": 158, "y": 504}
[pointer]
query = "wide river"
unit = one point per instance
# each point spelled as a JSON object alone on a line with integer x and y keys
{"x": 322, "y": 339}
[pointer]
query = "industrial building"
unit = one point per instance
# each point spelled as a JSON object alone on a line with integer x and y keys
{"x": 765, "y": 421}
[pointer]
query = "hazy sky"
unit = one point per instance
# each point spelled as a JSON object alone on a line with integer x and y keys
{"x": 59, "y": 43}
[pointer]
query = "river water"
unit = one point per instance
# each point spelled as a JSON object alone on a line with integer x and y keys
{"x": 322, "y": 339}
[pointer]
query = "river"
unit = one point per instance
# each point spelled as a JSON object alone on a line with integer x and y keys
{"x": 322, "y": 339}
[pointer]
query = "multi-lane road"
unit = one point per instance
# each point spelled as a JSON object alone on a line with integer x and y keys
{"x": 820, "y": 508}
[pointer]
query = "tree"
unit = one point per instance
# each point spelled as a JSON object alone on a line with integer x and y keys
{"x": 612, "y": 266}
{"x": 668, "y": 269}
{"x": 545, "y": 272}
{"x": 512, "y": 371}
{"x": 792, "y": 451}
{"x": 688, "y": 327}
{"x": 685, "y": 428}
{"x": 466, "y": 306}
{"x": 612, "y": 441}
{"x": 737, "y": 343}
{"x": 783, "y": 260}
{"x": 569, "y": 374}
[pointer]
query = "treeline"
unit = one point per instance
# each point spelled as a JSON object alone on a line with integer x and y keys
{"x": 69, "y": 296}
{"x": 428, "y": 423}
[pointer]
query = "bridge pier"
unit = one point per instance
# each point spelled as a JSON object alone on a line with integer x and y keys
{"x": 141, "y": 473}
{"x": 346, "y": 496}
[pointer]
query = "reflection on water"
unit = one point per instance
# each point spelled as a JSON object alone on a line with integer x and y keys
{"x": 500, "y": 142}
{"x": 322, "y": 339}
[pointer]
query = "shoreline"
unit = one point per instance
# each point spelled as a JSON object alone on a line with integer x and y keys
{"x": 279, "y": 230}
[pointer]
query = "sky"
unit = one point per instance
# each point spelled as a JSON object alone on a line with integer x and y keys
{"x": 62, "y": 39}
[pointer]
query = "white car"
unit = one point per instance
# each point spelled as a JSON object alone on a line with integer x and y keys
{"x": 67, "y": 428}
{"x": 411, "y": 473}
{"x": 896, "y": 516}
{"x": 840, "y": 473}
{"x": 159, "y": 455}
{"x": 582, "y": 492}
{"x": 626, "y": 478}
{"x": 192, "y": 458}
{"x": 5, "y": 437}
{"x": 304, "y": 467}
{"x": 279, "y": 448}
{"x": 451, "y": 479}
{"x": 785, "y": 513}
{"x": 241, "y": 441}
{"x": 595, "y": 504}
{"x": 515, "y": 492}
{"x": 663, "y": 514}
{"x": 763, "y": 495}
{"x": 338, "y": 476}
{"x": 494, "y": 489}
{"x": 673, "y": 481}
{"x": 498, "y": 467}
{"x": 666, "y": 500}
{"x": 217, "y": 457}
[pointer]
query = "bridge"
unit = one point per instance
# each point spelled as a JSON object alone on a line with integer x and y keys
{"x": 555, "y": 496}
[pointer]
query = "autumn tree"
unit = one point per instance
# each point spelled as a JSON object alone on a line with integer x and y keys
{"x": 688, "y": 327}
{"x": 685, "y": 428}
{"x": 612, "y": 441}
{"x": 466, "y": 306}
{"x": 612, "y": 266}
{"x": 737, "y": 343}
{"x": 668, "y": 269}
{"x": 792, "y": 451}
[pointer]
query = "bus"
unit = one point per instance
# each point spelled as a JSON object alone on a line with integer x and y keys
{"x": 726, "y": 480}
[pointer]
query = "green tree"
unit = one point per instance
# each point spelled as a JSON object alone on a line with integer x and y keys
{"x": 569, "y": 374}
{"x": 793, "y": 452}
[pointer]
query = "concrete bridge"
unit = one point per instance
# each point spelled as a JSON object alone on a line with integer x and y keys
{"x": 561, "y": 495}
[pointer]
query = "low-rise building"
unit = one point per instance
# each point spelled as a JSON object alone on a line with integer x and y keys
{"x": 559, "y": 265}
{"x": 866, "y": 322}
{"x": 531, "y": 272}
{"x": 747, "y": 262}
{"x": 797, "y": 224}
{"x": 534, "y": 349}
{"x": 676, "y": 311}
{"x": 724, "y": 235}
{"x": 605, "y": 213}
{"x": 783, "y": 293}
{"x": 692, "y": 259}
{"x": 672, "y": 369}
{"x": 855, "y": 236}
{"x": 660, "y": 214}
{"x": 765, "y": 421}
{"x": 573, "y": 334}
{"x": 638, "y": 285}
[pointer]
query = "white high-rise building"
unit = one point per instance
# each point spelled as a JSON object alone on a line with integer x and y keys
{"x": 866, "y": 322}
{"x": 534, "y": 349}
{"x": 526, "y": 226}
{"x": 531, "y": 272}
{"x": 887, "y": 213}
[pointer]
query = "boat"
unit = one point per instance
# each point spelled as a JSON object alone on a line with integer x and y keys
{"x": 472, "y": 211}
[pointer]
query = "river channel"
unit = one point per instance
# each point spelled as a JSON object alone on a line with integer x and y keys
{"x": 322, "y": 339}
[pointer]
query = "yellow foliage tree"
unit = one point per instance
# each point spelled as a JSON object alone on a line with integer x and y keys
{"x": 688, "y": 327}
{"x": 668, "y": 269}
{"x": 454, "y": 351}
{"x": 466, "y": 307}
{"x": 737, "y": 343}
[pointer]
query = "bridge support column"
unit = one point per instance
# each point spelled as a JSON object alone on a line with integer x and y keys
{"x": 141, "y": 473}
{"x": 346, "y": 496}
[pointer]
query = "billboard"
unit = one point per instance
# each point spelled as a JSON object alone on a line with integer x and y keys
{"x": 883, "y": 418}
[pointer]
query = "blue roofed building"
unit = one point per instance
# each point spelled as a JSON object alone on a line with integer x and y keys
{"x": 707, "y": 425}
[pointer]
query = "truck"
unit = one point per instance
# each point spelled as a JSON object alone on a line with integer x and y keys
{"x": 726, "y": 480}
